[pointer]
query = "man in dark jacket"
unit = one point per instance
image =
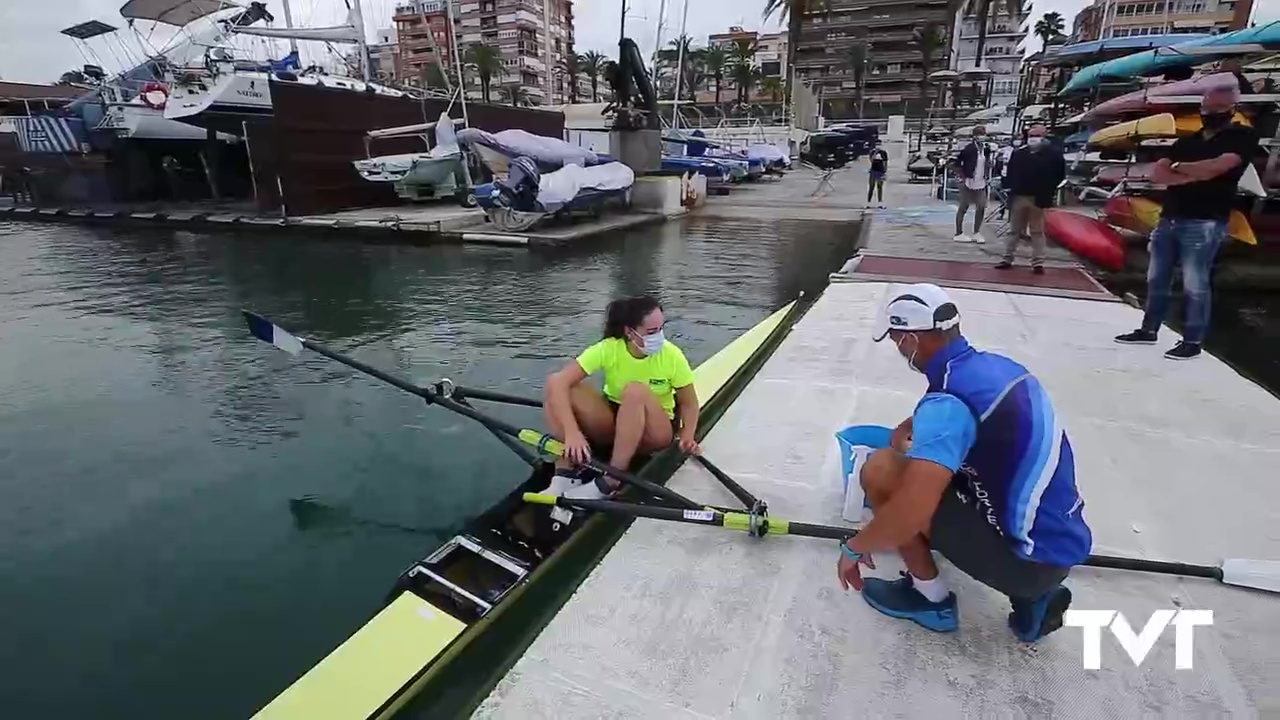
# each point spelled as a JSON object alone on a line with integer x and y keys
{"x": 1035, "y": 171}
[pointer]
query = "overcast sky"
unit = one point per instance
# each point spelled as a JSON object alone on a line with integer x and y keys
{"x": 32, "y": 50}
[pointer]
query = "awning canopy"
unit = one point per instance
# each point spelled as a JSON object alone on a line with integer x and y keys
{"x": 1183, "y": 54}
{"x": 174, "y": 12}
{"x": 90, "y": 29}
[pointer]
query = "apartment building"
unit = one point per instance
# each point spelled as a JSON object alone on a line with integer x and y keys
{"x": 1001, "y": 54}
{"x": 384, "y": 56}
{"x": 1127, "y": 18}
{"x": 533, "y": 38}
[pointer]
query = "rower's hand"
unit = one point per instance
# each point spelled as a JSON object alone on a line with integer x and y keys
{"x": 689, "y": 445}
{"x": 849, "y": 572}
{"x": 576, "y": 448}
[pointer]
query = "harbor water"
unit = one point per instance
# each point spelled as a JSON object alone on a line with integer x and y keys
{"x": 150, "y": 448}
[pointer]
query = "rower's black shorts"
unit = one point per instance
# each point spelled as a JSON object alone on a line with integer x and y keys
{"x": 961, "y": 533}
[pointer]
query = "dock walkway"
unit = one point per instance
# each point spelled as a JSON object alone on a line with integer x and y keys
{"x": 1176, "y": 461}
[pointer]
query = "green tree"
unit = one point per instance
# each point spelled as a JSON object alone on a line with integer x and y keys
{"x": 744, "y": 77}
{"x": 571, "y": 66}
{"x": 792, "y": 12}
{"x": 928, "y": 40}
{"x": 855, "y": 61}
{"x": 714, "y": 62}
{"x": 1050, "y": 27}
{"x": 593, "y": 66}
{"x": 982, "y": 10}
{"x": 515, "y": 94}
{"x": 772, "y": 86}
{"x": 486, "y": 61}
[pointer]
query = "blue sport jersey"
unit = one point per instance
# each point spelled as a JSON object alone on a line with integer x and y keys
{"x": 987, "y": 419}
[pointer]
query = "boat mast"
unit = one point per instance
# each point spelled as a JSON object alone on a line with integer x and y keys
{"x": 675, "y": 106}
{"x": 657, "y": 40}
{"x": 288, "y": 22}
{"x": 357, "y": 16}
{"x": 457, "y": 60}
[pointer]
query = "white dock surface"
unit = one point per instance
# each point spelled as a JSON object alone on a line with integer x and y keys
{"x": 1176, "y": 461}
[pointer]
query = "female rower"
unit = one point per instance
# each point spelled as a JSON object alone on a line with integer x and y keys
{"x": 646, "y": 378}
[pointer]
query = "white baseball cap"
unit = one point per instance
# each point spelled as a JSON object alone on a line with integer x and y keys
{"x": 916, "y": 308}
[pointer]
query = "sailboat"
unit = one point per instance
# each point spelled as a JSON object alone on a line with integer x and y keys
{"x": 130, "y": 105}
{"x": 229, "y": 92}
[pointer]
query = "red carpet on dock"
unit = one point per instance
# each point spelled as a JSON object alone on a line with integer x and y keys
{"x": 1071, "y": 281}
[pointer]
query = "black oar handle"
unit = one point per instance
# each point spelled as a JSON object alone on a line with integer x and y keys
{"x": 1154, "y": 566}
{"x": 706, "y": 516}
{"x": 462, "y": 392}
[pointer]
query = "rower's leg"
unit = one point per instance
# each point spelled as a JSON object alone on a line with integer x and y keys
{"x": 881, "y": 478}
{"x": 641, "y": 424}
{"x": 593, "y": 413}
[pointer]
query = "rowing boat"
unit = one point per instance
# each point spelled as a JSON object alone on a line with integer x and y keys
{"x": 458, "y": 619}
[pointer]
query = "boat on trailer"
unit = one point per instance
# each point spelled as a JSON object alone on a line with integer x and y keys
{"x": 456, "y": 620}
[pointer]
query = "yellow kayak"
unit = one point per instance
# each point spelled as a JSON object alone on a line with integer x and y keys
{"x": 1141, "y": 215}
{"x": 1125, "y": 135}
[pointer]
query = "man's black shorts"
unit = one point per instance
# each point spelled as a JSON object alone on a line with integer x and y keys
{"x": 961, "y": 533}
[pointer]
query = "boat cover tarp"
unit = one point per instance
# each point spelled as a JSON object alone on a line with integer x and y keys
{"x": 548, "y": 152}
{"x": 559, "y": 188}
{"x": 173, "y": 12}
{"x": 768, "y": 154}
{"x": 49, "y": 134}
{"x": 1151, "y": 62}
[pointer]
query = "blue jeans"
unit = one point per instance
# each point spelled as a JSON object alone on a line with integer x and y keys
{"x": 1194, "y": 242}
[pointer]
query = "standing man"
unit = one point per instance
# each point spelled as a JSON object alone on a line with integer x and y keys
{"x": 879, "y": 166}
{"x": 971, "y": 168}
{"x": 982, "y": 472}
{"x": 1035, "y": 170}
{"x": 1202, "y": 172}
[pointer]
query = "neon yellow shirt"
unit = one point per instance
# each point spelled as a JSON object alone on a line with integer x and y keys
{"x": 663, "y": 372}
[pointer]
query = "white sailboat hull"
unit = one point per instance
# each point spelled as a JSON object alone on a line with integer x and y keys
{"x": 139, "y": 122}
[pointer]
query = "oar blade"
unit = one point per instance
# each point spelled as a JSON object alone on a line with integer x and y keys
{"x": 1257, "y": 574}
{"x": 269, "y": 332}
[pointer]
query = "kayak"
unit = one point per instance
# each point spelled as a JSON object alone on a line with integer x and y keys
{"x": 1127, "y": 135}
{"x": 1250, "y": 183}
{"x": 456, "y": 620}
{"x": 1154, "y": 97}
{"x": 1087, "y": 237}
{"x": 1141, "y": 215}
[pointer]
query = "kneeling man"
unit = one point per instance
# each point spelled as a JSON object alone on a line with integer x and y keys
{"x": 982, "y": 472}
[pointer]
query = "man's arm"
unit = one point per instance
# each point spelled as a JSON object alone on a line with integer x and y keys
{"x": 1164, "y": 174}
{"x": 1201, "y": 170}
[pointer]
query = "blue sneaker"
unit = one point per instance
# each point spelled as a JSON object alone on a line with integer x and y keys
{"x": 900, "y": 599}
{"x": 1033, "y": 619}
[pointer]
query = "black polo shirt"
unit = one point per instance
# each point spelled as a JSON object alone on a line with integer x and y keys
{"x": 1211, "y": 199}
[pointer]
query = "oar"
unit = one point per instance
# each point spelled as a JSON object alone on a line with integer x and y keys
{"x": 748, "y": 500}
{"x": 311, "y": 513}
{"x": 1255, "y": 574}
{"x": 269, "y": 332}
{"x": 460, "y": 392}
{"x": 750, "y": 523}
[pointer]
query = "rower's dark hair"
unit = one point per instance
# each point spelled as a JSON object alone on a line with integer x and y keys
{"x": 626, "y": 313}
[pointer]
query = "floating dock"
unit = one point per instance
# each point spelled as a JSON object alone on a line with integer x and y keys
{"x": 1176, "y": 461}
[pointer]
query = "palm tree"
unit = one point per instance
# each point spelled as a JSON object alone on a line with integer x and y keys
{"x": 855, "y": 60}
{"x": 515, "y": 94}
{"x": 1050, "y": 27}
{"x": 572, "y": 67}
{"x": 608, "y": 71}
{"x": 792, "y": 12}
{"x": 982, "y": 10}
{"x": 744, "y": 77}
{"x": 487, "y": 62}
{"x": 744, "y": 52}
{"x": 771, "y": 85}
{"x": 714, "y": 61}
{"x": 592, "y": 64}
{"x": 928, "y": 40}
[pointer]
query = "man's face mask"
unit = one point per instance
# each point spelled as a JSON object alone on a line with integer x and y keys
{"x": 910, "y": 357}
{"x": 1216, "y": 120}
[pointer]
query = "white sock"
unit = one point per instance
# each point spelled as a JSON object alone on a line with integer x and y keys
{"x": 934, "y": 590}
{"x": 589, "y": 491}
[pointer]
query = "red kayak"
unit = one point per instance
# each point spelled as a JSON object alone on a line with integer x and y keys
{"x": 1087, "y": 237}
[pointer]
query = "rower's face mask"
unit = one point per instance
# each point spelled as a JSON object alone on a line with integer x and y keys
{"x": 649, "y": 344}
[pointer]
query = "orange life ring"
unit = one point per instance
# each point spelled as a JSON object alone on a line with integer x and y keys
{"x": 154, "y": 87}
